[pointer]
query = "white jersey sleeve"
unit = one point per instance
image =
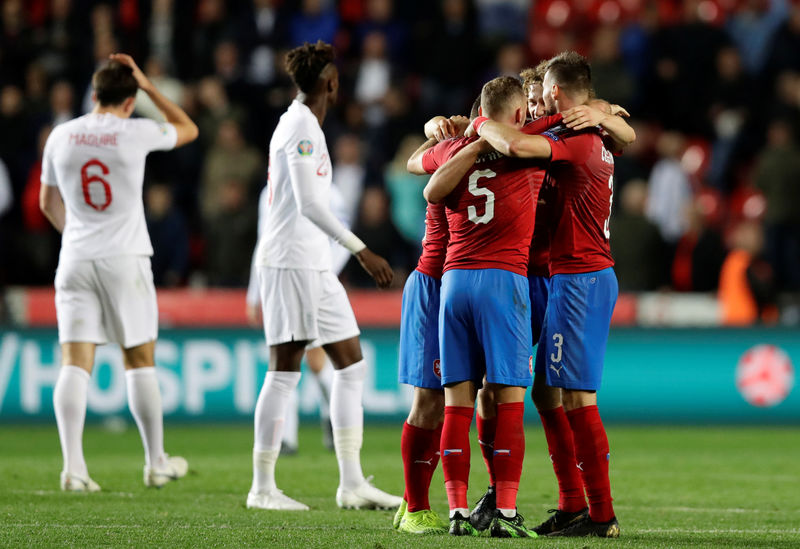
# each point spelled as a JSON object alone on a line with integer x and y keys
{"x": 152, "y": 135}
{"x": 48, "y": 176}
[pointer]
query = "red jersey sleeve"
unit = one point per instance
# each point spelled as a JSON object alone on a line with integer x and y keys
{"x": 541, "y": 124}
{"x": 442, "y": 152}
{"x": 569, "y": 146}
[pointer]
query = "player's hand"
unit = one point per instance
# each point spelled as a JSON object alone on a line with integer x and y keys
{"x": 461, "y": 123}
{"x": 377, "y": 267}
{"x": 445, "y": 129}
{"x": 582, "y": 117}
{"x": 253, "y": 315}
{"x": 617, "y": 110}
{"x": 138, "y": 75}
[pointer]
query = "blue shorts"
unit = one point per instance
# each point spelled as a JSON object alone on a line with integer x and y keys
{"x": 419, "y": 332}
{"x": 575, "y": 331}
{"x": 485, "y": 327}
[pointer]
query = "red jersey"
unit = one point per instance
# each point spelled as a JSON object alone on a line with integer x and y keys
{"x": 582, "y": 170}
{"x": 539, "y": 260}
{"x": 491, "y": 211}
{"x": 434, "y": 245}
{"x": 539, "y": 256}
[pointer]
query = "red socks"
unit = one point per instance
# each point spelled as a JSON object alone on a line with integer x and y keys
{"x": 455, "y": 454}
{"x": 591, "y": 452}
{"x": 486, "y": 433}
{"x": 420, "y": 451}
{"x": 509, "y": 451}
{"x": 560, "y": 444}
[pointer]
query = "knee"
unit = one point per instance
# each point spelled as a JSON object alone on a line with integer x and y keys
{"x": 427, "y": 411}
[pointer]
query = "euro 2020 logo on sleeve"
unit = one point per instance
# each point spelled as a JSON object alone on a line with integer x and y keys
{"x": 437, "y": 368}
{"x": 305, "y": 148}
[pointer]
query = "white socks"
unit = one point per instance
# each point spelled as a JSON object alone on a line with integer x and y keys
{"x": 269, "y": 420}
{"x": 144, "y": 401}
{"x": 291, "y": 421}
{"x": 347, "y": 419}
{"x": 325, "y": 382}
{"x": 69, "y": 401}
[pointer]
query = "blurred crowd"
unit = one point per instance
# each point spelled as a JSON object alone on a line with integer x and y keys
{"x": 713, "y": 87}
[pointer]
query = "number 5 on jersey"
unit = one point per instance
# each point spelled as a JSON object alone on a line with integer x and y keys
{"x": 474, "y": 190}
{"x": 92, "y": 183}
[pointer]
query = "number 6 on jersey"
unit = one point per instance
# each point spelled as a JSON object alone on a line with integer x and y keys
{"x": 86, "y": 184}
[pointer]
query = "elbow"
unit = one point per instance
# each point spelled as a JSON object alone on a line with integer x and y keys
{"x": 431, "y": 195}
{"x": 512, "y": 148}
{"x": 631, "y": 137}
{"x": 193, "y": 132}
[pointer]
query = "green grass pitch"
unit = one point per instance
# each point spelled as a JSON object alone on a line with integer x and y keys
{"x": 673, "y": 487}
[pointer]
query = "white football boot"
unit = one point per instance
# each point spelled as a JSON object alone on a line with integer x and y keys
{"x": 74, "y": 483}
{"x": 174, "y": 467}
{"x": 274, "y": 500}
{"x": 366, "y": 496}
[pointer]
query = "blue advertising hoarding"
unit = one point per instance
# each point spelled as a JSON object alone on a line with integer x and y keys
{"x": 651, "y": 376}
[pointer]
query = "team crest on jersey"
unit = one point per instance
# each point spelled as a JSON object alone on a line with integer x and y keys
{"x": 305, "y": 148}
{"x": 437, "y": 368}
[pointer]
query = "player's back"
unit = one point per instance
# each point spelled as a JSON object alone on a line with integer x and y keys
{"x": 97, "y": 161}
{"x": 582, "y": 171}
{"x": 291, "y": 240}
{"x": 491, "y": 214}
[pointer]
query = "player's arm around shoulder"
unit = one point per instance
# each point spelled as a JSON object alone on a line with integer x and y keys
{"x": 437, "y": 129}
{"x": 510, "y": 141}
{"x": 185, "y": 129}
{"x": 609, "y": 117}
{"x": 447, "y": 176}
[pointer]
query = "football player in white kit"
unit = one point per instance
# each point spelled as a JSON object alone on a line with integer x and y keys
{"x": 92, "y": 176}
{"x": 303, "y": 303}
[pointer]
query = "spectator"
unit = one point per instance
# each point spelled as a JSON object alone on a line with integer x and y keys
{"x": 610, "y": 77}
{"x": 669, "y": 189}
{"x": 700, "y": 251}
{"x": 169, "y": 235}
{"x": 167, "y": 85}
{"x": 732, "y": 96}
{"x": 746, "y": 290}
{"x": 752, "y": 29}
{"x": 231, "y": 158}
{"x": 317, "y": 20}
{"x": 636, "y": 244}
{"x": 405, "y": 189}
{"x": 777, "y": 174}
{"x": 231, "y": 236}
{"x": 381, "y": 236}
{"x": 373, "y": 78}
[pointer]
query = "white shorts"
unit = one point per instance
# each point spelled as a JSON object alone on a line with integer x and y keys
{"x": 107, "y": 300}
{"x": 305, "y": 305}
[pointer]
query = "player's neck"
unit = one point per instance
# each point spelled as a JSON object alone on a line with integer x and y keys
{"x": 117, "y": 111}
{"x": 318, "y": 104}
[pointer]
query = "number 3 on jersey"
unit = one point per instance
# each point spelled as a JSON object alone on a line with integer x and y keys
{"x": 94, "y": 182}
{"x": 474, "y": 190}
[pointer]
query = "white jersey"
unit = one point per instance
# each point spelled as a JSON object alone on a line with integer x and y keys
{"x": 290, "y": 239}
{"x": 97, "y": 162}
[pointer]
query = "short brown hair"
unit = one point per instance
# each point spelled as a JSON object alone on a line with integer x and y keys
{"x": 474, "y": 110}
{"x": 305, "y": 63}
{"x": 571, "y": 72}
{"x": 533, "y": 75}
{"x": 113, "y": 83}
{"x": 498, "y": 92}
